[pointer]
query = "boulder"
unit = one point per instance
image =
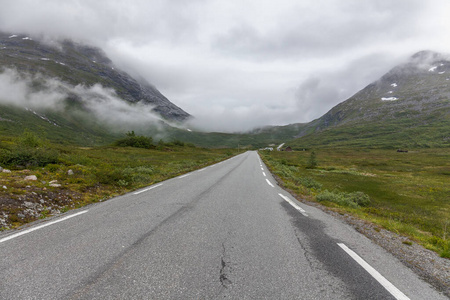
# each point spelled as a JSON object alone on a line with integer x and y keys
{"x": 29, "y": 204}
{"x": 31, "y": 177}
{"x": 70, "y": 172}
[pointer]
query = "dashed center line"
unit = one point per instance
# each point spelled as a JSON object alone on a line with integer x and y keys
{"x": 147, "y": 189}
{"x": 264, "y": 174}
{"x": 41, "y": 226}
{"x": 295, "y": 205}
{"x": 269, "y": 183}
{"x": 375, "y": 274}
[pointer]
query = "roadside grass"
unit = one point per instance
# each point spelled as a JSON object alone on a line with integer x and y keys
{"x": 85, "y": 175}
{"x": 409, "y": 192}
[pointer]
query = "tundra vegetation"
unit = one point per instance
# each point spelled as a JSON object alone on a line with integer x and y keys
{"x": 70, "y": 176}
{"x": 407, "y": 193}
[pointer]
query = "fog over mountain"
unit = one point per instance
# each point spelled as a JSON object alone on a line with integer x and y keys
{"x": 236, "y": 65}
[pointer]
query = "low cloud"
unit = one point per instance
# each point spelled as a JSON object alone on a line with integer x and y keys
{"x": 40, "y": 93}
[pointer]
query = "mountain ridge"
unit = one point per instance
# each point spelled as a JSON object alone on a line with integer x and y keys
{"x": 81, "y": 64}
{"x": 409, "y": 96}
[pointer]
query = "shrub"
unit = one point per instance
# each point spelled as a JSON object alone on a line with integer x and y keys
{"x": 113, "y": 177}
{"x": 310, "y": 183}
{"x": 137, "y": 141}
{"x": 29, "y": 151}
{"x": 312, "y": 161}
{"x": 178, "y": 143}
{"x": 29, "y": 156}
{"x": 29, "y": 140}
{"x": 359, "y": 198}
{"x": 355, "y": 199}
{"x": 139, "y": 174}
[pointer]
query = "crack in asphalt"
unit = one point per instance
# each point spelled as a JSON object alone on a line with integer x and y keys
{"x": 224, "y": 281}
{"x": 306, "y": 252}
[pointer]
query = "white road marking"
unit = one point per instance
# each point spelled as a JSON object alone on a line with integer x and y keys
{"x": 264, "y": 174}
{"x": 262, "y": 168}
{"x": 185, "y": 175}
{"x": 269, "y": 183}
{"x": 201, "y": 170}
{"x": 378, "y": 277}
{"x": 295, "y": 205}
{"x": 152, "y": 187}
{"x": 41, "y": 226}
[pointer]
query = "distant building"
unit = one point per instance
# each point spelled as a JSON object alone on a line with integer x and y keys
{"x": 288, "y": 148}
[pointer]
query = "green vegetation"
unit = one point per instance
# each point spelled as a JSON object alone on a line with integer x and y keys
{"x": 132, "y": 140}
{"x": 28, "y": 151}
{"x": 83, "y": 175}
{"x": 407, "y": 193}
{"x": 354, "y": 200}
{"x": 432, "y": 131}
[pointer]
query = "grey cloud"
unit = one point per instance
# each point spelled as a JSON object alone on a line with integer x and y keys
{"x": 235, "y": 65}
{"x": 332, "y": 29}
{"x": 100, "y": 21}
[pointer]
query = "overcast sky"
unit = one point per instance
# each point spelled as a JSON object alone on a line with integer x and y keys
{"x": 236, "y": 65}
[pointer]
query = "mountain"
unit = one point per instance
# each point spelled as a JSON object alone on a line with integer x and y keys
{"x": 77, "y": 64}
{"x": 407, "y": 107}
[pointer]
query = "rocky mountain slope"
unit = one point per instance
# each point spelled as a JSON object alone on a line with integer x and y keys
{"x": 80, "y": 64}
{"x": 419, "y": 87}
{"x": 407, "y": 107}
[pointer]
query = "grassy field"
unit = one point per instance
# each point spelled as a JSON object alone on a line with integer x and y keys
{"x": 71, "y": 176}
{"x": 407, "y": 193}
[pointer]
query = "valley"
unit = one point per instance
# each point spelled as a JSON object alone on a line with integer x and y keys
{"x": 379, "y": 159}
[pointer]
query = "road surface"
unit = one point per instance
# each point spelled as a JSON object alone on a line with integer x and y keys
{"x": 223, "y": 232}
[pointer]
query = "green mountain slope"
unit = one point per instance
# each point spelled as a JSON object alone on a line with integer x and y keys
{"x": 407, "y": 107}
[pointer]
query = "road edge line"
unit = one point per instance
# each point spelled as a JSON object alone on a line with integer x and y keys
{"x": 12, "y": 236}
{"x": 375, "y": 274}
{"x": 147, "y": 189}
{"x": 297, "y": 207}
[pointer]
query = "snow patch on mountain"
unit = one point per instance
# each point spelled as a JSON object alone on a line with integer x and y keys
{"x": 389, "y": 98}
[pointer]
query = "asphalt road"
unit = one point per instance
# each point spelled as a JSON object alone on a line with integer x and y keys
{"x": 223, "y": 232}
